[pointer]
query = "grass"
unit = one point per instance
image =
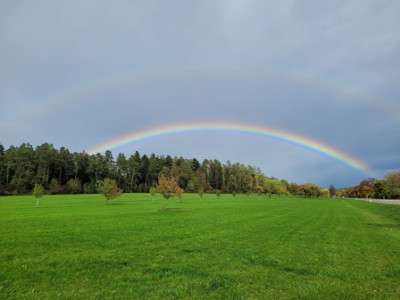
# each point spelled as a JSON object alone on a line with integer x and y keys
{"x": 75, "y": 247}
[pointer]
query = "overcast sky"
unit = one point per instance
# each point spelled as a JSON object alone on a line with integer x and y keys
{"x": 80, "y": 73}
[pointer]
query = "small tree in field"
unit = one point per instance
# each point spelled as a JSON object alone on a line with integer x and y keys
{"x": 218, "y": 193}
{"x": 201, "y": 193}
{"x": 109, "y": 189}
{"x": 38, "y": 192}
{"x": 153, "y": 192}
{"x": 168, "y": 187}
{"x": 179, "y": 193}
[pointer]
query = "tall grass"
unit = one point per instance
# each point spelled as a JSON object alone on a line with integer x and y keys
{"x": 75, "y": 247}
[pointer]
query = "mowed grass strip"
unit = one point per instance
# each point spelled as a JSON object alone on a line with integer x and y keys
{"x": 236, "y": 247}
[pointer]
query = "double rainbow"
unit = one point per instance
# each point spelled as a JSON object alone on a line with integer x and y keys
{"x": 70, "y": 95}
{"x": 243, "y": 128}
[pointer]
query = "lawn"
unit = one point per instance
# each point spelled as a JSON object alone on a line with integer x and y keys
{"x": 76, "y": 247}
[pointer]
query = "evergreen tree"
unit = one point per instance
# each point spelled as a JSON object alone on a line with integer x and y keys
{"x": 23, "y": 169}
{"x": 332, "y": 190}
{"x": 44, "y": 158}
{"x": 134, "y": 163}
{"x": 122, "y": 170}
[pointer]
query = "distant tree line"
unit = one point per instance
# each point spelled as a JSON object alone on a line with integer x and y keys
{"x": 387, "y": 188}
{"x": 60, "y": 171}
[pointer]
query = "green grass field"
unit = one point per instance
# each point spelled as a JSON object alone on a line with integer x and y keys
{"x": 76, "y": 247}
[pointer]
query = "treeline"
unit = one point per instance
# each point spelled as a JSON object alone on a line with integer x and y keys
{"x": 60, "y": 171}
{"x": 387, "y": 188}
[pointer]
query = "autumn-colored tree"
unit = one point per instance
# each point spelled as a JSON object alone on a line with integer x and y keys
{"x": 281, "y": 190}
{"x": 109, "y": 188}
{"x": 295, "y": 189}
{"x": 259, "y": 190}
{"x": 366, "y": 188}
{"x": 38, "y": 192}
{"x": 310, "y": 189}
{"x": 168, "y": 187}
{"x": 325, "y": 193}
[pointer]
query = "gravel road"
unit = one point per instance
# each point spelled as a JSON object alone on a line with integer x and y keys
{"x": 393, "y": 202}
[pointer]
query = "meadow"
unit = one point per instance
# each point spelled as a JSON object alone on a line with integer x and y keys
{"x": 76, "y": 247}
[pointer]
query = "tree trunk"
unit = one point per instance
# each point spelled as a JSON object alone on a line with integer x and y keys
{"x": 165, "y": 203}
{"x": 8, "y": 174}
{"x": 37, "y": 202}
{"x": 132, "y": 182}
{"x": 119, "y": 177}
{"x": 59, "y": 177}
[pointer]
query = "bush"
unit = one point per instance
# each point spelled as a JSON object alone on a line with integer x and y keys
{"x": 89, "y": 188}
{"x": 74, "y": 186}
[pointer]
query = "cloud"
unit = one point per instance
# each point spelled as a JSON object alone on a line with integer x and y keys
{"x": 77, "y": 73}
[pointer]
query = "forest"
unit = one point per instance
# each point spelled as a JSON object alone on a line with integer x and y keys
{"x": 60, "y": 171}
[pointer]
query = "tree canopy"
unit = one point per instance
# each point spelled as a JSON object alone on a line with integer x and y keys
{"x": 109, "y": 188}
{"x": 168, "y": 187}
{"x": 38, "y": 192}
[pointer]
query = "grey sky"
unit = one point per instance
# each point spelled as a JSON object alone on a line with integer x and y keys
{"x": 78, "y": 73}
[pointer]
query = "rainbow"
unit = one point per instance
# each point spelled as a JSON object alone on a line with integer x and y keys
{"x": 244, "y": 128}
